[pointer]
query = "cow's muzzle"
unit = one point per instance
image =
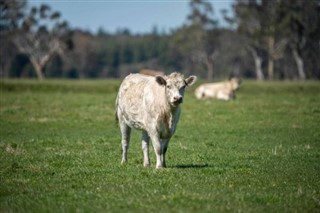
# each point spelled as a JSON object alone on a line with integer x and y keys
{"x": 177, "y": 100}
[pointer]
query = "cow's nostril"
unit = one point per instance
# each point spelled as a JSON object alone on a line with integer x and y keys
{"x": 177, "y": 99}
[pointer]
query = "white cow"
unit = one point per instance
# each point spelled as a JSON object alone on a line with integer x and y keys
{"x": 221, "y": 90}
{"x": 151, "y": 104}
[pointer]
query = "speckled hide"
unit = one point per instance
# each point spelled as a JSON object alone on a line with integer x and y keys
{"x": 151, "y": 104}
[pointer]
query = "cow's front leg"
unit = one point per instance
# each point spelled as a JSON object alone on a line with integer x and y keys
{"x": 145, "y": 148}
{"x": 165, "y": 144}
{"x": 158, "y": 149}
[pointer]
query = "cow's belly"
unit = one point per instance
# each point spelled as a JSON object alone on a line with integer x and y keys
{"x": 134, "y": 121}
{"x": 223, "y": 95}
{"x": 210, "y": 93}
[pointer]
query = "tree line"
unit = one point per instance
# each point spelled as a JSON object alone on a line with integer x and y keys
{"x": 264, "y": 39}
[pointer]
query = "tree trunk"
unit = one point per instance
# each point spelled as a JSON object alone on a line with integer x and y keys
{"x": 209, "y": 65}
{"x": 270, "y": 68}
{"x": 38, "y": 68}
{"x": 300, "y": 64}
{"x": 271, "y": 48}
{"x": 258, "y": 64}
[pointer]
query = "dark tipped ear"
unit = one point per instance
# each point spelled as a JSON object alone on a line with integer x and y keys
{"x": 191, "y": 80}
{"x": 160, "y": 80}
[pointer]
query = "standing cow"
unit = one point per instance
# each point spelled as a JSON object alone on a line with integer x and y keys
{"x": 151, "y": 104}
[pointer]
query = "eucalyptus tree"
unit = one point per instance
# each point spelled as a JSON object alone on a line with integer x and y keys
{"x": 246, "y": 13}
{"x": 197, "y": 39}
{"x": 260, "y": 23}
{"x": 11, "y": 14}
{"x": 301, "y": 28}
{"x": 39, "y": 35}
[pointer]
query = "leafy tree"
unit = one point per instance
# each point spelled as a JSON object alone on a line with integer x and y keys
{"x": 203, "y": 32}
{"x": 260, "y": 22}
{"x": 277, "y": 25}
{"x": 249, "y": 25}
{"x": 301, "y": 28}
{"x": 196, "y": 41}
{"x": 39, "y": 36}
{"x": 11, "y": 13}
{"x": 280, "y": 37}
{"x": 79, "y": 58}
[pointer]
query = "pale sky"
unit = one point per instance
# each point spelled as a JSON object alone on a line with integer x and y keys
{"x": 139, "y": 16}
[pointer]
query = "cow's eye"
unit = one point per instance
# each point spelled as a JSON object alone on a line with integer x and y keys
{"x": 168, "y": 87}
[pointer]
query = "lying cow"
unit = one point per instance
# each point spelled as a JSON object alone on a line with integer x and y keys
{"x": 151, "y": 72}
{"x": 221, "y": 90}
{"x": 151, "y": 104}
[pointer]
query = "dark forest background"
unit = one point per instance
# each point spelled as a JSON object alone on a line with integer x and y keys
{"x": 264, "y": 39}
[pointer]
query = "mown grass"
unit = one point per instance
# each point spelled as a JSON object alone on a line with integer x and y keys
{"x": 60, "y": 151}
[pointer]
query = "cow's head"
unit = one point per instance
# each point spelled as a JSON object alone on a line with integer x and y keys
{"x": 235, "y": 83}
{"x": 175, "y": 85}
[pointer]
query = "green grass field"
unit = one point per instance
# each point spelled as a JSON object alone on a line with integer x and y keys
{"x": 60, "y": 151}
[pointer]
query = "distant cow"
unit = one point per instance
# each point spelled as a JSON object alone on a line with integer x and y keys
{"x": 221, "y": 90}
{"x": 151, "y": 72}
{"x": 150, "y": 104}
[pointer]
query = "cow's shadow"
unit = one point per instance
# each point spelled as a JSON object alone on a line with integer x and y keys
{"x": 190, "y": 166}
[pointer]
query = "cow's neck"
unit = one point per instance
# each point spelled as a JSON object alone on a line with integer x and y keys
{"x": 171, "y": 116}
{"x": 174, "y": 110}
{"x": 175, "y": 115}
{"x": 168, "y": 119}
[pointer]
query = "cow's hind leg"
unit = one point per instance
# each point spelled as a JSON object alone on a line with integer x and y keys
{"x": 125, "y": 139}
{"x": 145, "y": 148}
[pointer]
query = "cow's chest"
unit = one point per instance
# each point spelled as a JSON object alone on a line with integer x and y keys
{"x": 165, "y": 132}
{"x": 167, "y": 126}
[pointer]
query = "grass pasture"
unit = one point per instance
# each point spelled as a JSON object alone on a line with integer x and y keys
{"x": 60, "y": 151}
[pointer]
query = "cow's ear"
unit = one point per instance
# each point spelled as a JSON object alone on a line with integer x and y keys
{"x": 160, "y": 80}
{"x": 191, "y": 80}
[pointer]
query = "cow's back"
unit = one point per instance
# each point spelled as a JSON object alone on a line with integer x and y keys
{"x": 207, "y": 90}
{"x": 130, "y": 98}
{"x": 139, "y": 100}
{"x": 220, "y": 90}
{"x": 131, "y": 88}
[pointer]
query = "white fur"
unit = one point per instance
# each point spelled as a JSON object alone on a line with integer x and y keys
{"x": 150, "y": 104}
{"x": 221, "y": 90}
